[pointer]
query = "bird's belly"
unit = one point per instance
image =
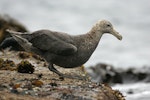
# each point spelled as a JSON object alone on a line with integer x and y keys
{"x": 69, "y": 61}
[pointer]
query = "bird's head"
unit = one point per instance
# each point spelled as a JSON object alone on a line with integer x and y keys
{"x": 105, "y": 26}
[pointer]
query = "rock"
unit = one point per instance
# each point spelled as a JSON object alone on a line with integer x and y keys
{"x": 19, "y": 89}
{"x": 7, "y": 64}
{"x": 135, "y": 75}
{"x": 25, "y": 67}
{"x": 37, "y": 83}
{"x": 106, "y": 73}
{"x": 16, "y": 86}
{"x": 28, "y": 85}
{"x": 130, "y": 91}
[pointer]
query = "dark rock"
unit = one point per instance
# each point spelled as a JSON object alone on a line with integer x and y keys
{"x": 53, "y": 84}
{"x": 130, "y": 92}
{"x": 135, "y": 75}
{"x": 39, "y": 76}
{"x": 25, "y": 67}
{"x": 141, "y": 76}
{"x": 108, "y": 74}
{"x": 14, "y": 91}
{"x": 105, "y": 73}
{"x": 117, "y": 78}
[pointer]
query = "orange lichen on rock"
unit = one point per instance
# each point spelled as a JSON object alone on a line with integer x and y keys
{"x": 37, "y": 83}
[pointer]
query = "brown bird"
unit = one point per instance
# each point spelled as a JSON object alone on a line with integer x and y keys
{"x": 62, "y": 49}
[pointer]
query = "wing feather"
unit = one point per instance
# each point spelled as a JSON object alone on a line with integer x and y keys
{"x": 53, "y": 42}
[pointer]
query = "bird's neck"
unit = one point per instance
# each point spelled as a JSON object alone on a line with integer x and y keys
{"x": 87, "y": 44}
{"x": 94, "y": 37}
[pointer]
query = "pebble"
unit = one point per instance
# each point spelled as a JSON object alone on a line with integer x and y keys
{"x": 19, "y": 90}
{"x": 36, "y": 89}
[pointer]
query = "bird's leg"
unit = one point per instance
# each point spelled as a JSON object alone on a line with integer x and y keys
{"x": 53, "y": 69}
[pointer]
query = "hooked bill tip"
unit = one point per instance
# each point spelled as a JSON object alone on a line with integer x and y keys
{"x": 120, "y": 37}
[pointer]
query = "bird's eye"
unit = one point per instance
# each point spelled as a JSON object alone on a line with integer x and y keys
{"x": 108, "y": 25}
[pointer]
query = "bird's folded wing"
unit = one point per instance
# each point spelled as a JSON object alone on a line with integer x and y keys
{"x": 53, "y": 44}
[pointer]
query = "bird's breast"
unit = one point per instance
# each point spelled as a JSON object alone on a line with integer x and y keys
{"x": 71, "y": 61}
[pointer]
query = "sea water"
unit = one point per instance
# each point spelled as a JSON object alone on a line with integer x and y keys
{"x": 131, "y": 18}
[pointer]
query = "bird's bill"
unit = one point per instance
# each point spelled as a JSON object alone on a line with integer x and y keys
{"x": 116, "y": 34}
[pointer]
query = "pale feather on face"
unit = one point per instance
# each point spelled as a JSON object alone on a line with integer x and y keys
{"x": 105, "y": 26}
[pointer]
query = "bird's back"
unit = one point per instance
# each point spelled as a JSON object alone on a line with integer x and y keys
{"x": 52, "y": 35}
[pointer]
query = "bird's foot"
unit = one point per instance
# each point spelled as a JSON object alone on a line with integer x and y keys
{"x": 62, "y": 76}
{"x": 74, "y": 77}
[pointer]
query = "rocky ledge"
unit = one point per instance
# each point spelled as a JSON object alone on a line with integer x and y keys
{"x": 27, "y": 78}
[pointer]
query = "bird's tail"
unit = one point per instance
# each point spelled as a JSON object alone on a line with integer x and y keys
{"x": 11, "y": 31}
{"x": 22, "y": 41}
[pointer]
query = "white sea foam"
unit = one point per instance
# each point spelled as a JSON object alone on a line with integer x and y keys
{"x": 135, "y": 91}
